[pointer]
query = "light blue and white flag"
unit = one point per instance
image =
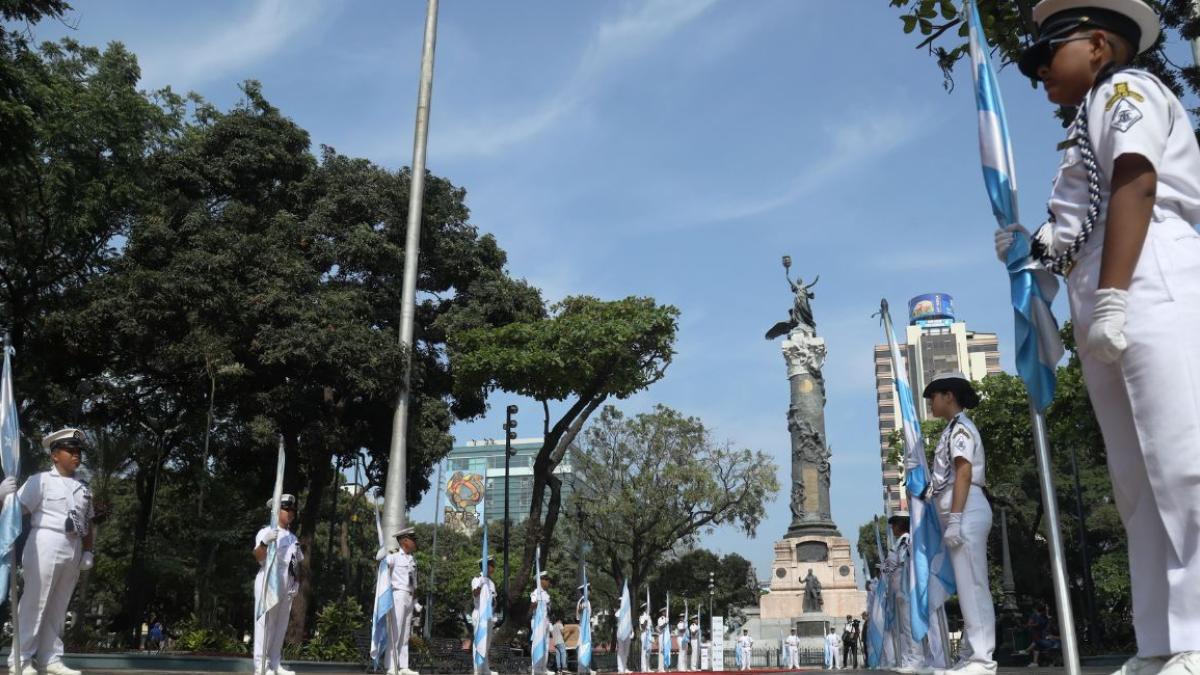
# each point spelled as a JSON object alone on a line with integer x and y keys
{"x": 384, "y": 603}
{"x": 10, "y": 458}
{"x": 269, "y": 597}
{"x": 539, "y": 633}
{"x": 584, "y": 651}
{"x": 683, "y": 634}
{"x": 878, "y": 543}
{"x": 930, "y": 577}
{"x": 664, "y": 640}
{"x": 876, "y": 622}
{"x": 625, "y": 615}
{"x": 1039, "y": 345}
{"x": 483, "y": 622}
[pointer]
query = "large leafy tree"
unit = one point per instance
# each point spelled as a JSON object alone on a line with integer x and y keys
{"x": 1009, "y": 27}
{"x": 584, "y": 353}
{"x": 652, "y": 484}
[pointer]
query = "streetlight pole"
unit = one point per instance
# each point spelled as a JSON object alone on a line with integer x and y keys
{"x": 509, "y": 425}
{"x": 395, "y": 499}
{"x": 710, "y": 602}
{"x": 433, "y": 559}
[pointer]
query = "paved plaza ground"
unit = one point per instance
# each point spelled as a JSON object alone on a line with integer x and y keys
{"x": 1087, "y": 670}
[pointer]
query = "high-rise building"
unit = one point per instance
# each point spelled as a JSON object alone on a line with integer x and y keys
{"x": 469, "y": 466}
{"x": 935, "y": 343}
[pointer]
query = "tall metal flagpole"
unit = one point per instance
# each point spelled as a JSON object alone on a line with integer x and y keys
{"x": 1058, "y": 563}
{"x": 1196, "y": 41}
{"x": 437, "y": 513}
{"x": 394, "y": 491}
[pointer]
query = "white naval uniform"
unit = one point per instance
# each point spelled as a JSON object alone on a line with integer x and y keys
{"x": 961, "y": 439}
{"x": 579, "y": 607}
{"x": 476, "y": 583}
{"x": 270, "y": 628}
{"x": 646, "y": 638}
{"x": 664, "y": 643}
{"x": 623, "y": 651}
{"x": 793, "y": 647}
{"x": 907, "y": 652}
{"x": 694, "y": 638}
{"x": 1148, "y": 403}
{"x": 746, "y": 645}
{"x": 681, "y": 663}
{"x": 403, "y": 578}
{"x": 539, "y": 595}
{"x": 50, "y": 561}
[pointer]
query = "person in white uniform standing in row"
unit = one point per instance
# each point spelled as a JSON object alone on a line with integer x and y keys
{"x": 646, "y": 637}
{"x": 793, "y": 650}
{"x": 908, "y": 654}
{"x": 746, "y": 645}
{"x": 402, "y": 569}
{"x": 664, "y": 639}
{"x": 956, "y": 487}
{"x": 270, "y": 628}
{"x": 1121, "y": 232}
{"x": 694, "y": 639}
{"x": 58, "y": 549}
{"x": 477, "y": 586}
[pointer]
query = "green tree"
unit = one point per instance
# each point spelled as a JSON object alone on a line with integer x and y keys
{"x": 1009, "y": 27}
{"x": 653, "y": 483}
{"x": 584, "y": 353}
{"x": 868, "y": 533}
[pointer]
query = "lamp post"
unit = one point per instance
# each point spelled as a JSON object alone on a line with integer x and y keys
{"x": 509, "y": 434}
{"x": 711, "y": 594}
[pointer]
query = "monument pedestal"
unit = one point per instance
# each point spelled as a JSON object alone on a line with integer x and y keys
{"x": 829, "y": 559}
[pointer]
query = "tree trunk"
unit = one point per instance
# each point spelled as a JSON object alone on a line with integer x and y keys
{"x": 319, "y": 471}
{"x": 137, "y": 585}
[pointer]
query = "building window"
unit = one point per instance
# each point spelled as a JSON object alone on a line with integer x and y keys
{"x": 887, "y": 409}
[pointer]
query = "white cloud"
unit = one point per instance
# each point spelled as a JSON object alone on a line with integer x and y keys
{"x": 240, "y": 41}
{"x": 863, "y": 138}
{"x": 639, "y": 28}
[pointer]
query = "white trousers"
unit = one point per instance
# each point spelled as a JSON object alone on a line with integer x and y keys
{"x": 888, "y": 658}
{"x": 971, "y": 574}
{"x": 50, "y": 564}
{"x": 908, "y": 652}
{"x": 664, "y": 651}
{"x": 745, "y": 657}
{"x": 402, "y": 612}
{"x": 696, "y": 654}
{"x": 645, "y": 656}
{"x": 793, "y": 657}
{"x": 1148, "y": 407}
{"x": 934, "y": 649}
{"x": 681, "y": 657}
{"x": 486, "y": 668}
{"x": 270, "y": 628}
{"x": 623, "y": 655}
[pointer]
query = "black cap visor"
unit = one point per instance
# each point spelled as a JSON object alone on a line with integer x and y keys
{"x": 1069, "y": 21}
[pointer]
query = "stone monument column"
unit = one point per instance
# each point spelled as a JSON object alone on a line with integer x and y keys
{"x": 813, "y": 577}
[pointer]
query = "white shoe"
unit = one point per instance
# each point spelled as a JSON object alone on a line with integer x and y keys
{"x": 284, "y": 671}
{"x": 1183, "y": 663}
{"x": 906, "y": 670}
{"x": 493, "y": 673}
{"x": 408, "y": 671}
{"x": 60, "y": 668}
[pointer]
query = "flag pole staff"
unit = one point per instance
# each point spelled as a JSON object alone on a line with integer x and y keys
{"x": 394, "y": 490}
{"x": 1038, "y": 348}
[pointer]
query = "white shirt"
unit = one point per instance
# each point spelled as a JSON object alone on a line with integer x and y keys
{"x": 476, "y": 583}
{"x": 792, "y": 641}
{"x": 745, "y": 642}
{"x": 287, "y": 556}
{"x": 832, "y": 640}
{"x": 556, "y": 633}
{"x": 540, "y": 595}
{"x": 897, "y": 571}
{"x": 644, "y": 620}
{"x": 694, "y": 628}
{"x": 960, "y": 438}
{"x": 680, "y": 628}
{"x": 1131, "y": 112}
{"x": 662, "y": 623}
{"x": 48, "y": 498}
{"x": 403, "y": 568}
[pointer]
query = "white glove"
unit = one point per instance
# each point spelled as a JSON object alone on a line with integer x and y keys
{"x": 1106, "y": 336}
{"x": 1004, "y": 239}
{"x": 7, "y": 487}
{"x": 87, "y": 561}
{"x": 381, "y": 553}
{"x": 270, "y": 537}
{"x": 417, "y": 607}
{"x": 953, "y": 534}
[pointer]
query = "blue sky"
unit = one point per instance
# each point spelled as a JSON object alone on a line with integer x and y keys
{"x": 670, "y": 148}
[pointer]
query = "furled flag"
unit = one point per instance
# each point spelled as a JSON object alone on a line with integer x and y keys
{"x": 646, "y": 639}
{"x": 875, "y": 624}
{"x": 384, "y": 603}
{"x": 878, "y": 543}
{"x": 625, "y": 615}
{"x": 483, "y": 622}
{"x": 539, "y": 635}
{"x": 10, "y": 457}
{"x": 269, "y": 596}
{"x": 664, "y": 640}
{"x": 1032, "y": 287}
{"x": 683, "y": 635}
{"x": 584, "y": 651}
{"x": 930, "y": 576}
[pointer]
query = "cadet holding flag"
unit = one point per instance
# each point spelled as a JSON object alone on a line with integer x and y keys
{"x": 1121, "y": 233}
{"x": 58, "y": 548}
{"x": 402, "y": 567}
{"x": 483, "y": 592}
{"x": 271, "y": 624}
{"x": 647, "y": 633}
